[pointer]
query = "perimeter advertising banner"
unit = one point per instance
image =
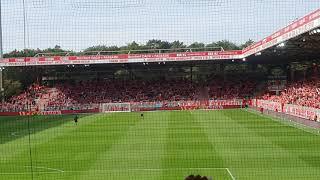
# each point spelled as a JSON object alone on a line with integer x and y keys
{"x": 302, "y": 112}
{"x": 289, "y": 109}
{"x": 186, "y": 105}
{"x": 269, "y": 105}
{"x": 122, "y": 58}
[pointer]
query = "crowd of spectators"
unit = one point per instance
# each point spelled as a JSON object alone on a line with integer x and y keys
{"x": 24, "y": 101}
{"x": 302, "y": 93}
{"x": 86, "y": 94}
{"x": 89, "y": 94}
{"x": 236, "y": 88}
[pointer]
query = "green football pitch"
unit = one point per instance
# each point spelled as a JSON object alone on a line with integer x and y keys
{"x": 168, "y": 145}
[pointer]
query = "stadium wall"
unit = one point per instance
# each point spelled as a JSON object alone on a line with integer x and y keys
{"x": 290, "y": 110}
{"x": 306, "y": 113}
{"x": 146, "y": 106}
{"x": 84, "y": 111}
{"x": 187, "y": 105}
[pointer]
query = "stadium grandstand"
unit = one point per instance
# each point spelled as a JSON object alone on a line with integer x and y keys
{"x": 175, "y": 89}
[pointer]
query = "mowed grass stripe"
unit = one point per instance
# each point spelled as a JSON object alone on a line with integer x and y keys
{"x": 84, "y": 148}
{"x": 271, "y": 145}
{"x": 71, "y": 147}
{"x": 188, "y": 146}
{"x": 164, "y": 145}
{"x": 137, "y": 154}
{"x": 16, "y": 151}
{"x": 17, "y": 127}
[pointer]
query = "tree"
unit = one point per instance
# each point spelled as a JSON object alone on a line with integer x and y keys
{"x": 133, "y": 46}
{"x": 11, "y": 88}
{"x": 33, "y": 52}
{"x": 227, "y": 45}
{"x": 25, "y": 75}
{"x": 158, "y": 44}
{"x": 247, "y": 44}
{"x": 197, "y": 46}
{"x": 101, "y": 48}
{"x": 151, "y": 44}
{"x": 177, "y": 45}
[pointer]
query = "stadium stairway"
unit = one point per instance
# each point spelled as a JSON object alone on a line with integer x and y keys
{"x": 260, "y": 89}
{"x": 202, "y": 93}
{"x": 43, "y": 101}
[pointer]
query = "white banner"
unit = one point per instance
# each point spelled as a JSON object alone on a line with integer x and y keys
{"x": 302, "y": 112}
{"x": 290, "y": 109}
{"x": 269, "y": 105}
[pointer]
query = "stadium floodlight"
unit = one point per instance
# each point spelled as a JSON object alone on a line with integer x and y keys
{"x": 281, "y": 45}
{"x": 315, "y": 31}
{"x": 258, "y": 54}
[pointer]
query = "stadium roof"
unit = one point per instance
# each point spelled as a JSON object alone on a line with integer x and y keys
{"x": 300, "y": 48}
{"x": 298, "y": 40}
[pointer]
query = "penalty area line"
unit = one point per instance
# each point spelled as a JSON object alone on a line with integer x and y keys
{"x": 24, "y": 173}
{"x": 149, "y": 169}
{"x": 287, "y": 122}
{"x": 52, "y": 171}
{"x": 55, "y": 171}
{"x": 47, "y": 168}
{"x": 229, "y": 172}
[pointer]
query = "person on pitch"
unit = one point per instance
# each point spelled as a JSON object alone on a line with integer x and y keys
{"x": 76, "y": 119}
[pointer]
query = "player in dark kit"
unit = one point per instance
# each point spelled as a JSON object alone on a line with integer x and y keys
{"x": 76, "y": 119}
{"x": 142, "y": 116}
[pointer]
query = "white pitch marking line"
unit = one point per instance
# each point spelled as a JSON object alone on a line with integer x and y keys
{"x": 47, "y": 168}
{"x": 232, "y": 177}
{"x": 286, "y": 123}
{"x": 168, "y": 169}
{"x": 148, "y": 169}
{"x": 54, "y": 171}
{"x": 23, "y": 173}
{"x": 14, "y": 133}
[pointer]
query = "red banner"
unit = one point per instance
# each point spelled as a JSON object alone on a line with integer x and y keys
{"x": 9, "y": 114}
{"x": 121, "y": 58}
{"x": 49, "y": 112}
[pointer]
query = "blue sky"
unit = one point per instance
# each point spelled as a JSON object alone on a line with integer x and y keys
{"x": 77, "y": 24}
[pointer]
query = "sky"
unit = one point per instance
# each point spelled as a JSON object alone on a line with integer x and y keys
{"x": 78, "y": 24}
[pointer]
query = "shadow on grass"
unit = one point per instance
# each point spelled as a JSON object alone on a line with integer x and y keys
{"x": 15, "y": 127}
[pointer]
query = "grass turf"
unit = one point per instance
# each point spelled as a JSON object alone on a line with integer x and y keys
{"x": 224, "y": 144}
